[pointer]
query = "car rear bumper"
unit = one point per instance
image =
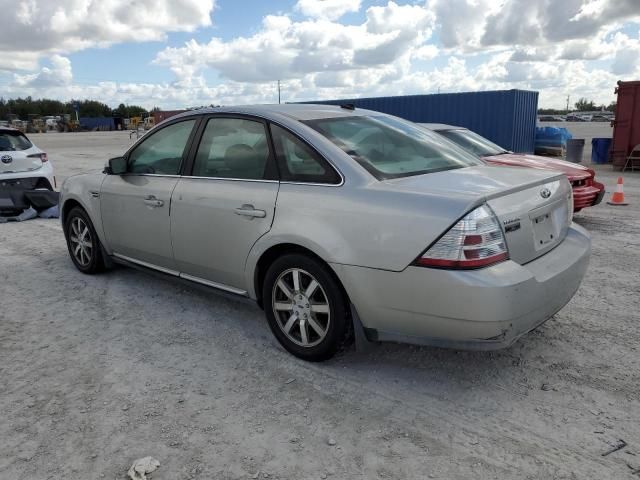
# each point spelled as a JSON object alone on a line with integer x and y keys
{"x": 28, "y": 180}
{"x": 483, "y": 309}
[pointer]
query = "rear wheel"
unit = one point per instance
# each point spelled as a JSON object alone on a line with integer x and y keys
{"x": 306, "y": 308}
{"x": 83, "y": 243}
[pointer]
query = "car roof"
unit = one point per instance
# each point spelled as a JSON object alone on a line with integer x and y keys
{"x": 296, "y": 111}
{"x": 440, "y": 126}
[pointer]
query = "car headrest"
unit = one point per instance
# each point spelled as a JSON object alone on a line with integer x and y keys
{"x": 243, "y": 157}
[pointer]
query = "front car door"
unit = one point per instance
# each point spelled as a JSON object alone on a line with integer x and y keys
{"x": 135, "y": 206}
{"x": 226, "y": 204}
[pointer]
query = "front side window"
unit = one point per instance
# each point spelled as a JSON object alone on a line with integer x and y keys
{"x": 390, "y": 148}
{"x": 298, "y": 162}
{"x": 13, "y": 141}
{"x": 232, "y": 148}
{"x": 162, "y": 152}
{"x": 472, "y": 142}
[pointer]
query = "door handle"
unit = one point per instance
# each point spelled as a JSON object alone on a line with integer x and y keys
{"x": 249, "y": 211}
{"x": 152, "y": 201}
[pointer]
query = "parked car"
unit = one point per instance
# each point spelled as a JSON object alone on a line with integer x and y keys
{"x": 23, "y": 168}
{"x": 332, "y": 219}
{"x": 22, "y": 163}
{"x": 586, "y": 191}
{"x": 550, "y": 118}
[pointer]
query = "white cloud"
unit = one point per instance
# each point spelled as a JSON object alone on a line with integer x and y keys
{"x": 33, "y": 29}
{"x": 469, "y": 25}
{"x": 327, "y": 9}
{"x": 58, "y": 74}
{"x": 284, "y": 49}
{"x": 573, "y": 47}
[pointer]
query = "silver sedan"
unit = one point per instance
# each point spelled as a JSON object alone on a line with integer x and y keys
{"x": 334, "y": 219}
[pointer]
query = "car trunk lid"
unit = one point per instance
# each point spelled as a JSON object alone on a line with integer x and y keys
{"x": 19, "y": 161}
{"x": 534, "y": 219}
{"x": 533, "y": 206}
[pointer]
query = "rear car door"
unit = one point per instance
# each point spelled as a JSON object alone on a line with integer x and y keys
{"x": 135, "y": 206}
{"x": 226, "y": 204}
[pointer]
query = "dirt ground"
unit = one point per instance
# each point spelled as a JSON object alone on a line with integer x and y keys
{"x": 96, "y": 371}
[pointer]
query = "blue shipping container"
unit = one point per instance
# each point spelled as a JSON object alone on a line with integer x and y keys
{"x": 506, "y": 117}
{"x": 97, "y": 123}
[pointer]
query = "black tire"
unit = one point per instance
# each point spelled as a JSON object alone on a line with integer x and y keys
{"x": 337, "y": 324}
{"x": 95, "y": 262}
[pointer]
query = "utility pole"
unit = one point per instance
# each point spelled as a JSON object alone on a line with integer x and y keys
{"x": 278, "y": 92}
{"x": 568, "y": 97}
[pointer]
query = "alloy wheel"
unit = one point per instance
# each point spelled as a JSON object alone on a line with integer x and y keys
{"x": 301, "y": 307}
{"x": 81, "y": 242}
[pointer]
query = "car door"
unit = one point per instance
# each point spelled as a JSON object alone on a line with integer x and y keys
{"x": 136, "y": 206}
{"x": 226, "y": 204}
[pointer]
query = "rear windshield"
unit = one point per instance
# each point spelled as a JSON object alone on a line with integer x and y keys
{"x": 389, "y": 147}
{"x": 12, "y": 141}
{"x": 472, "y": 142}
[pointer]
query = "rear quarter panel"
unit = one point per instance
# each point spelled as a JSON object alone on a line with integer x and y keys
{"x": 357, "y": 226}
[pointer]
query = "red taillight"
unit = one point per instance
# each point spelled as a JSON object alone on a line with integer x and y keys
{"x": 42, "y": 156}
{"x": 474, "y": 241}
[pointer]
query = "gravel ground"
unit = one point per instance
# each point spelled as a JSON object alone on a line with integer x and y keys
{"x": 97, "y": 371}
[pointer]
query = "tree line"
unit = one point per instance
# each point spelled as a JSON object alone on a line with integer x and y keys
{"x": 24, "y": 108}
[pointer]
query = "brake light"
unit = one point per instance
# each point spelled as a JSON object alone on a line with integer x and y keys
{"x": 475, "y": 241}
{"x": 42, "y": 156}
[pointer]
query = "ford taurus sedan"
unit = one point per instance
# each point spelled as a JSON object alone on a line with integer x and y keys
{"x": 586, "y": 191}
{"x": 334, "y": 218}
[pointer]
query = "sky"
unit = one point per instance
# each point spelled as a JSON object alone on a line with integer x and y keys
{"x": 185, "y": 53}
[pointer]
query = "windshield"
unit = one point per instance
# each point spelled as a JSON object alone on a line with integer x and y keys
{"x": 472, "y": 142}
{"x": 388, "y": 147}
{"x": 12, "y": 141}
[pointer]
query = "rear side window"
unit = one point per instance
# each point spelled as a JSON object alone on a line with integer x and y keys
{"x": 298, "y": 162}
{"x": 161, "y": 153}
{"x": 232, "y": 148}
{"x": 13, "y": 141}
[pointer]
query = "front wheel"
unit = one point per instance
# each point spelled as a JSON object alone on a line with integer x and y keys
{"x": 83, "y": 243}
{"x": 306, "y": 308}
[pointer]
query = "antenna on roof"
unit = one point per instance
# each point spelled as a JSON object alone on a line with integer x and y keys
{"x": 348, "y": 106}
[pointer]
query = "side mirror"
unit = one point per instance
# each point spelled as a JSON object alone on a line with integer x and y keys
{"x": 116, "y": 166}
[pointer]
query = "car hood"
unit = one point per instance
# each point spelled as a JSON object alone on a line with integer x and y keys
{"x": 572, "y": 170}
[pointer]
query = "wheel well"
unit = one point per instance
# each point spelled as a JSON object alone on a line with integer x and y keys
{"x": 275, "y": 252}
{"x": 68, "y": 206}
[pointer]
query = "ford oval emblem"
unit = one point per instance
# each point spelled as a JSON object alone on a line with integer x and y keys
{"x": 6, "y": 158}
{"x": 545, "y": 193}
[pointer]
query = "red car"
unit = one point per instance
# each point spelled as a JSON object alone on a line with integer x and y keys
{"x": 586, "y": 191}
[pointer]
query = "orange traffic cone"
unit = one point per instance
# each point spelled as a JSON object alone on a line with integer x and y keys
{"x": 618, "y": 195}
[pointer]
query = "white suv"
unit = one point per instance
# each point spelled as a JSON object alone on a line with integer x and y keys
{"x": 22, "y": 164}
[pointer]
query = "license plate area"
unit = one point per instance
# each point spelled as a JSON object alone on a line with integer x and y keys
{"x": 546, "y": 224}
{"x": 544, "y": 230}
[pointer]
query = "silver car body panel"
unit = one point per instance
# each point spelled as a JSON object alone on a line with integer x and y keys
{"x": 214, "y": 224}
{"x": 368, "y": 231}
{"x": 135, "y": 217}
{"x": 484, "y": 309}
